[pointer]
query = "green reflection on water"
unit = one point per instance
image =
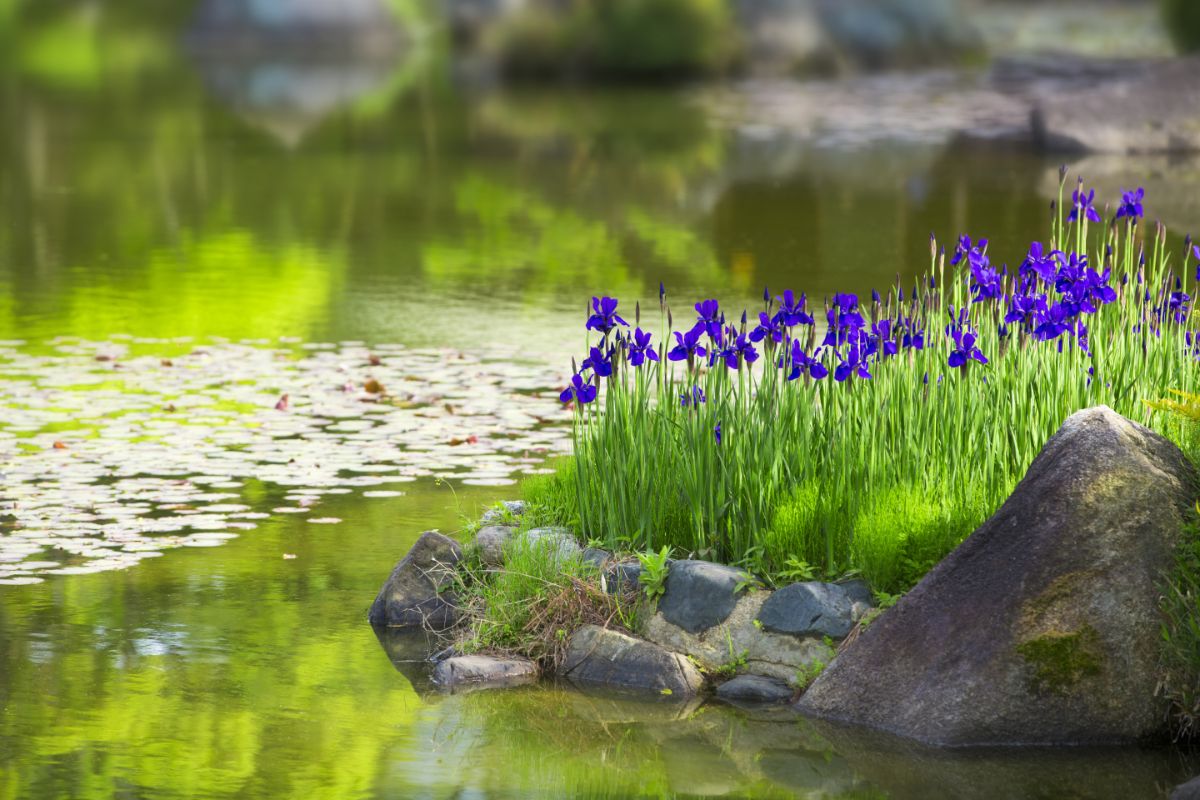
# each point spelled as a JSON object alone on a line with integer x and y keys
{"x": 138, "y": 195}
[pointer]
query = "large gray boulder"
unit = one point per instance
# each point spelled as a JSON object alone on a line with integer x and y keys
{"x": 699, "y": 594}
{"x": 1042, "y": 627}
{"x": 1154, "y": 110}
{"x": 415, "y": 593}
{"x": 601, "y": 657}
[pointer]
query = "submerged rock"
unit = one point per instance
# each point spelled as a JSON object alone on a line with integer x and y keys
{"x": 809, "y": 609}
{"x": 1042, "y": 627}
{"x": 415, "y": 592}
{"x": 484, "y": 672}
{"x": 601, "y": 657}
{"x": 699, "y": 594}
{"x": 755, "y": 689}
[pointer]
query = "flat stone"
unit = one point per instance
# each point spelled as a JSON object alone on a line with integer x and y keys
{"x": 484, "y": 672}
{"x": 1043, "y": 626}
{"x": 606, "y": 658}
{"x": 755, "y": 689}
{"x": 415, "y": 592}
{"x": 809, "y": 609}
{"x": 490, "y": 541}
{"x": 699, "y": 594}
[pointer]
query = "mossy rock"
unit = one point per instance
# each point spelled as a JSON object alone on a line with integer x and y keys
{"x": 1043, "y": 626}
{"x": 1059, "y": 662}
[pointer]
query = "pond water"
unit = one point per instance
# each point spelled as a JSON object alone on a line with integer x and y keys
{"x": 185, "y": 568}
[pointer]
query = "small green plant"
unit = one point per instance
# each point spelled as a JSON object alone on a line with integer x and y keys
{"x": 809, "y": 673}
{"x": 653, "y": 577}
{"x": 797, "y": 569}
{"x": 747, "y": 583}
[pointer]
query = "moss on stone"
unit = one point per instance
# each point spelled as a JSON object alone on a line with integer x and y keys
{"x": 1061, "y": 660}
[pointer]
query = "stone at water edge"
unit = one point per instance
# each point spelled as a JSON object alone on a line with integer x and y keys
{"x": 755, "y": 689}
{"x": 415, "y": 592}
{"x": 601, "y": 657}
{"x": 490, "y": 541}
{"x": 484, "y": 672}
{"x": 1042, "y": 627}
{"x": 699, "y": 594}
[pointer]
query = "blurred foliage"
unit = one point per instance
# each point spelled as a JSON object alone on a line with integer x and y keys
{"x": 1182, "y": 19}
{"x": 623, "y": 39}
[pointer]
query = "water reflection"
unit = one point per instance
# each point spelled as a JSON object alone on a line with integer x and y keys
{"x": 285, "y": 65}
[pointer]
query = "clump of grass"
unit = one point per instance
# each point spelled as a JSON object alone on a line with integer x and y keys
{"x": 532, "y": 605}
{"x": 876, "y": 441}
{"x": 551, "y": 498}
{"x": 900, "y": 533}
{"x": 1180, "y": 606}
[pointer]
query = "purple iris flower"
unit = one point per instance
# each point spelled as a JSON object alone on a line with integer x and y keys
{"x": 965, "y": 348}
{"x": 717, "y": 432}
{"x": 881, "y": 339}
{"x": 1178, "y": 304}
{"x": 1196, "y": 253}
{"x": 985, "y": 281}
{"x": 640, "y": 349}
{"x": 911, "y": 337}
{"x": 1025, "y": 308}
{"x": 694, "y": 398}
{"x": 1040, "y": 263}
{"x": 580, "y": 390}
{"x": 739, "y": 350}
{"x": 803, "y": 364}
{"x": 853, "y": 363}
{"x": 688, "y": 344}
{"x": 1131, "y": 204}
{"x": 1193, "y": 343}
{"x": 791, "y": 311}
{"x": 599, "y": 361}
{"x": 844, "y": 321}
{"x": 604, "y": 317}
{"x": 1083, "y": 205}
{"x": 964, "y": 249}
{"x": 768, "y": 326}
{"x": 1053, "y": 322}
{"x": 708, "y": 315}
